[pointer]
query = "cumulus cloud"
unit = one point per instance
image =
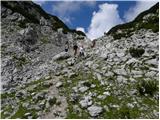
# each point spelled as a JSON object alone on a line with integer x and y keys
{"x": 65, "y": 8}
{"x": 80, "y": 29}
{"x": 137, "y": 9}
{"x": 104, "y": 19}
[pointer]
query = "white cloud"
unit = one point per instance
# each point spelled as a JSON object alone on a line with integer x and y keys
{"x": 103, "y": 20}
{"x": 137, "y": 9}
{"x": 39, "y": 2}
{"x": 65, "y": 8}
{"x": 80, "y": 29}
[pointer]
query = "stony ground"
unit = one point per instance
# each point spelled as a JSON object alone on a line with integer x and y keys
{"x": 116, "y": 79}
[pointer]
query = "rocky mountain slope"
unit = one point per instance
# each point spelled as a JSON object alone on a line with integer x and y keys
{"x": 118, "y": 78}
{"x": 30, "y": 37}
{"x": 146, "y": 20}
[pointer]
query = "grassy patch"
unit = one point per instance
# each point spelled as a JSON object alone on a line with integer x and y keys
{"x": 6, "y": 95}
{"x": 123, "y": 112}
{"x": 9, "y": 109}
{"x": 128, "y": 113}
{"x": 147, "y": 87}
{"x": 20, "y": 61}
{"x": 41, "y": 80}
{"x": 74, "y": 114}
{"x": 38, "y": 88}
{"x": 21, "y": 112}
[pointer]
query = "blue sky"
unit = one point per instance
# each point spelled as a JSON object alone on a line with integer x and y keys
{"x": 95, "y": 17}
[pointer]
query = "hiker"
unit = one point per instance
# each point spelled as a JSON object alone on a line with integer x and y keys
{"x": 66, "y": 46}
{"x": 81, "y": 50}
{"x": 93, "y": 44}
{"x": 75, "y": 47}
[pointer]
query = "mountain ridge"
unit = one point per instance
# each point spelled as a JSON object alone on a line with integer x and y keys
{"x": 35, "y": 18}
{"x": 153, "y": 24}
{"x": 115, "y": 79}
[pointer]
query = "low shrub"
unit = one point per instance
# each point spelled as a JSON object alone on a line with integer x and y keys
{"x": 147, "y": 87}
{"x": 136, "y": 52}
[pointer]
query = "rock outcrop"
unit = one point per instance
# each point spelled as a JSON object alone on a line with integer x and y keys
{"x": 118, "y": 78}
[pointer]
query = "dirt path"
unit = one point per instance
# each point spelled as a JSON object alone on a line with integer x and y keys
{"x": 56, "y": 111}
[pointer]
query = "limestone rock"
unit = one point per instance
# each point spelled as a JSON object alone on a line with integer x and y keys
{"x": 83, "y": 89}
{"x": 59, "y": 84}
{"x": 95, "y": 110}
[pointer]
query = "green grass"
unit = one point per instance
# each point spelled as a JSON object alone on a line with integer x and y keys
{"x": 123, "y": 112}
{"x": 128, "y": 113}
{"x": 41, "y": 80}
{"x": 21, "y": 112}
{"x": 147, "y": 87}
{"x": 20, "y": 61}
{"x": 73, "y": 114}
{"x": 9, "y": 109}
{"x": 7, "y": 95}
{"x": 149, "y": 101}
{"x": 39, "y": 87}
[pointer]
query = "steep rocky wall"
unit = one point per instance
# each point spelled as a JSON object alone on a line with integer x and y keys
{"x": 118, "y": 78}
{"x": 26, "y": 43}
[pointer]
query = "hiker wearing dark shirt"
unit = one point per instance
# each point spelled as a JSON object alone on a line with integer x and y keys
{"x": 75, "y": 47}
{"x": 93, "y": 44}
{"x": 66, "y": 46}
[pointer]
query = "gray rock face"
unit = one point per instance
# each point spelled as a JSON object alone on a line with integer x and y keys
{"x": 31, "y": 41}
{"x": 95, "y": 110}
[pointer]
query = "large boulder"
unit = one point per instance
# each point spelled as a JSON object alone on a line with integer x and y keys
{"x": 95, "y": 110}
{"x": 61, "y": 56}
{"x": 30, "y": 35}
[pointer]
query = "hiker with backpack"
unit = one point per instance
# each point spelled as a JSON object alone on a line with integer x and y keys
{"x": 81, "y": 50}
{"x": 93, "y": 44}
{"x": 66, "y": 46}
{"x": 75, "y": 48}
